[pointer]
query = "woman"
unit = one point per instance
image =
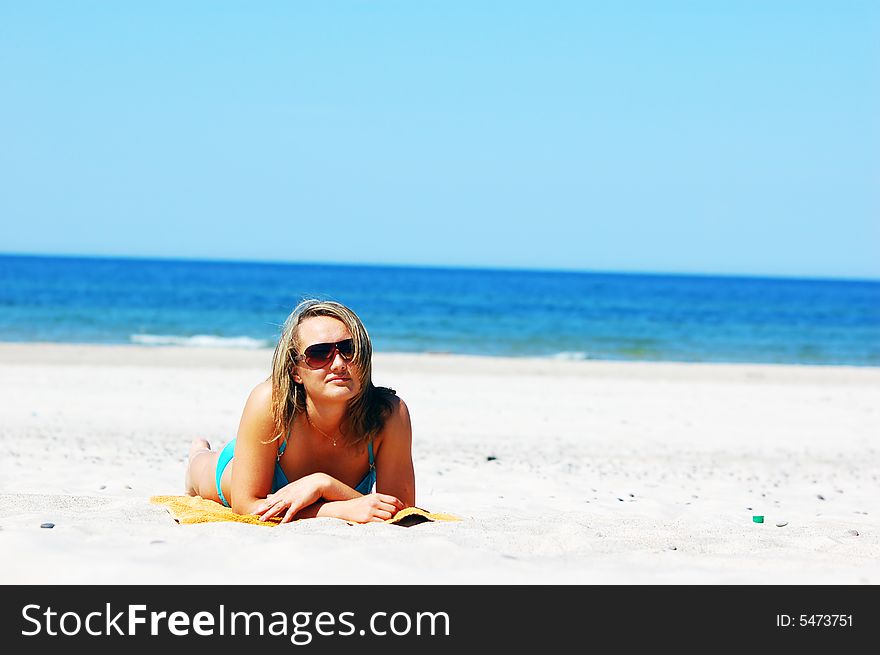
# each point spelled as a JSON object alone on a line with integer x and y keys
{"x": 318, "y": 421}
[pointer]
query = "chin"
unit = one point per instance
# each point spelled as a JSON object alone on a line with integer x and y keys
{"x": 339, "y": 393}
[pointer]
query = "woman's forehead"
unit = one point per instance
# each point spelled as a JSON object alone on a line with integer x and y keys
{"x": 322, "y": 329}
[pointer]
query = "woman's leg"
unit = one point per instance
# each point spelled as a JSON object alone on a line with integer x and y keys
{"x": 201, "y": 469}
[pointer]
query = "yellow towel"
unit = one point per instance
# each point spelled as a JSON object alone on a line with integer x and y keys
{"x": 195, "y": 509}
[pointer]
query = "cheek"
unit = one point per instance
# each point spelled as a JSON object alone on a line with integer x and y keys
{"x": 307, "y": 381}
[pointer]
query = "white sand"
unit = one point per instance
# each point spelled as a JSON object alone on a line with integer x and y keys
{"x": 604, "y": 473}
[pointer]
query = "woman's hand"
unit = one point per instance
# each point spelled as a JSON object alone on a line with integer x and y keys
{"x": 365, "y": 509}
{"x": 293, "y": 497}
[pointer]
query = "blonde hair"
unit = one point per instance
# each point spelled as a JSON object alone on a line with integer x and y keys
{"x": 366, "y": 412}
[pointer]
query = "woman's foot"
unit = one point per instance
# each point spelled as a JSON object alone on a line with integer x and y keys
{"x": 197, "y": 447}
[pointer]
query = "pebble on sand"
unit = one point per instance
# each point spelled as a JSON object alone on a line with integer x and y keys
{"x": 47, "y": 525}
{"x": 820, "y": 496}
{"x": 854, "y": 533}
{"x": 781, "y": 524}
{"x": 491, "y": 458}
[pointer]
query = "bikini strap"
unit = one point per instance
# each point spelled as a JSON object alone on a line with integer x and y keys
{"x": 283, "y": 445}
{"x": 370, "y": 447}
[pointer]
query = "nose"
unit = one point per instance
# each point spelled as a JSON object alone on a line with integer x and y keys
{"x": 338, "y": 362}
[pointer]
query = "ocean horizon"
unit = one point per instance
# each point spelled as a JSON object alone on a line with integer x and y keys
{"x": 471, "y": 311}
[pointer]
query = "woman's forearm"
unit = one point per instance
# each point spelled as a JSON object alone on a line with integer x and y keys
{"x": 322, "y": 508}
{"x": 326, "y": 488}
{"x": 333, "y": 489}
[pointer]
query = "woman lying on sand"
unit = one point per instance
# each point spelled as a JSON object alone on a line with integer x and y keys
{"x": 318, "y": 421}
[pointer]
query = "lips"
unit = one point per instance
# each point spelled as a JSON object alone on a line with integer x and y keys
{"x": 338, "y": 379}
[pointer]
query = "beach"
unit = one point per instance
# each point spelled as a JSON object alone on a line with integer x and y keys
{"x": 563, "y": 472}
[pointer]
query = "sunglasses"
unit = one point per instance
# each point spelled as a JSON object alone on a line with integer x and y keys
{"x": 320, "y": 354}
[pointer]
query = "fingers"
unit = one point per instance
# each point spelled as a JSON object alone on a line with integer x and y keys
{"x": 289, "y": 507}
{"x": 270, "y": 501}
{"x": 272, "y": 511}
{"x": 392, "y": 500}
{"x": 273, "y": 508}
{"x": 290, "y": 513}
{"x": 385, "y": 511}
{"x": 383, "y": 507}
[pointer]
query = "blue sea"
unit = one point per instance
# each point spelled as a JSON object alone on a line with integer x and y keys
{"x": 566, "y": 315}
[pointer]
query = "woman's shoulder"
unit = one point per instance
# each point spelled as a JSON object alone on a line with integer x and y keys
{"x": 386, "y": 397}
{"x": 258, "y": 408}
{"x": 261, "y": 395}
{"x": 264, "y": 387}
{"x": 386, "y": 401}
{"x": 398, "y": 407}
{"x": 398, "y": 416}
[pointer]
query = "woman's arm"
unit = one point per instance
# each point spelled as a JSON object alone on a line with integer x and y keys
{"x": 254, "y": 463}
{"x": 364, "y": 509}
{"x": 254, "y": 469}
{"x": 295, "y": 498}
{"x": 395, "y": 478}
{"x": 394, "y": 466}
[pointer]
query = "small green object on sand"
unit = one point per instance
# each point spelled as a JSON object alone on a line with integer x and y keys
{"x": 758, "y": 519}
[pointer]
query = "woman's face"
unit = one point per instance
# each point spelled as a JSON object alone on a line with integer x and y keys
{"x": 339, "y": 379}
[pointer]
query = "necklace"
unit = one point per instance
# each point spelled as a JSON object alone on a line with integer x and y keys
{"x": 326, "y": 436}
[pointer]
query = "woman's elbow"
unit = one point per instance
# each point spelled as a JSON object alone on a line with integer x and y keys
{"x": 245, "y": 506}
{"x": 406, "y": 495}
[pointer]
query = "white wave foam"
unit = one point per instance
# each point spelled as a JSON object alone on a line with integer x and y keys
{"x": 572, "y": 355}
{"x": 197, "y": 341}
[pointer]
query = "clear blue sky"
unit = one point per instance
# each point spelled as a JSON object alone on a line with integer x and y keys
{"x": 717, "y": 137}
